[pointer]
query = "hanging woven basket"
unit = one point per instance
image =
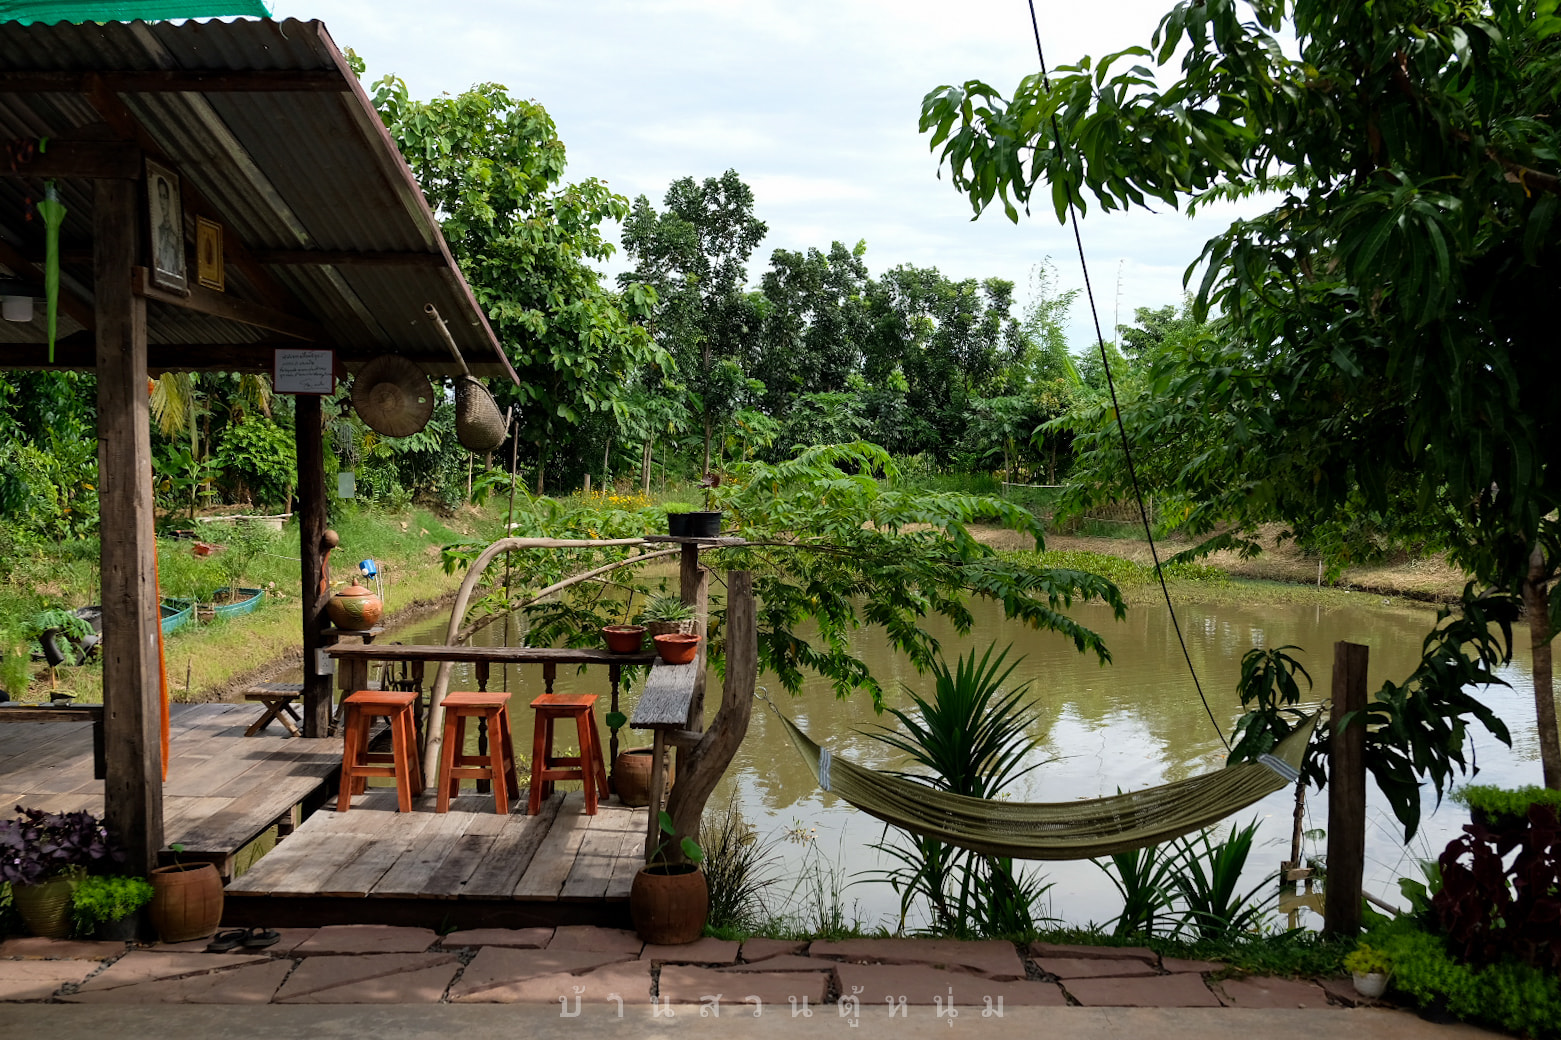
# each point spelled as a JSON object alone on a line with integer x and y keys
{"x": 479, "y": 425}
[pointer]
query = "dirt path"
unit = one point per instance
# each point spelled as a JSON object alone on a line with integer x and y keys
{"x": 1429, "y": 580}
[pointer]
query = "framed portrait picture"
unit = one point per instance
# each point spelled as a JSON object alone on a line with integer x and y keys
{"x": 165, "y": 219}
{"x": 209, "y": 269}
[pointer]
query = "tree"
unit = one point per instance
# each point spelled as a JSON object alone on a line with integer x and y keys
{"x": 492, "y": 168}
{"x": 814, "y": 326}
{"x": 1390, "y": 328}
{"x": 694, "y": 254}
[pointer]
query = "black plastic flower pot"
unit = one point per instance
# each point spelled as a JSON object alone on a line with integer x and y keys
{"x": 704, "y": 525}
{"x": 677, "y": 524}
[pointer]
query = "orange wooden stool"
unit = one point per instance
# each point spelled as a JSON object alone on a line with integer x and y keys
{"x": 358, "y": 762}
{"x": 588, "y": 767}
{"x": 498, "y": 765}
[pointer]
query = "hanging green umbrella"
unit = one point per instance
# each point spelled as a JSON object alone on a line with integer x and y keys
{"x": 51, "y": 11}
{"x": 52, "y": 210}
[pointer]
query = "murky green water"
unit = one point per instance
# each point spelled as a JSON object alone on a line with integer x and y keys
{"x": 1134, "y": 723}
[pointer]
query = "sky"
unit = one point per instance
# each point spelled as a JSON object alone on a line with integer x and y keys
{"x": 813, "y": 102}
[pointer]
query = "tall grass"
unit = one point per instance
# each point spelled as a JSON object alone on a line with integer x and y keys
{"x": 738, "y": 869}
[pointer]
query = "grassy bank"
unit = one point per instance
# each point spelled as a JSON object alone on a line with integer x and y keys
{"x": 206, "y": 661}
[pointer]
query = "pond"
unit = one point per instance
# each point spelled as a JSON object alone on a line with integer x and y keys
{"x": 1134, "y": 723}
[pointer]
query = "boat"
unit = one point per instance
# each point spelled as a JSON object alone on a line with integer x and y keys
{"x": 176, "y": 613}
{"x": 245, "y": 603}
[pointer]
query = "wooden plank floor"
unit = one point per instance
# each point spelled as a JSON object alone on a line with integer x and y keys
{"x": 470, "y": 853}
{"x": 223, "y": 788}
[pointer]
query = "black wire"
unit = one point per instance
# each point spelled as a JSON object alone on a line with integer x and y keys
{"x": 1105, "y": 360}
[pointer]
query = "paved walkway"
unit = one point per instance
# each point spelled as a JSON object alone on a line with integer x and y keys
{"x": 578, "y": 975}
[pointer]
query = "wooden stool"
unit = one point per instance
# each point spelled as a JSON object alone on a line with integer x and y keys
{"x": 588, "y": 767}
{"x": 278, "y": 699}
{"x": 358, "y": 762}
{"x": 498, "y": 765}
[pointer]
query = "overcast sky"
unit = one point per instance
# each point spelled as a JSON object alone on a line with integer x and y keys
{"x": 814, "y": 103}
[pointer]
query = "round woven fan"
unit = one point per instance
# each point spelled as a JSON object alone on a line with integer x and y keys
{"x": 393, "y": 396}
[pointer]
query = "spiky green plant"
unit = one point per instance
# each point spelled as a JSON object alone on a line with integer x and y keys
{"x": 1144, "y": 878}
{"x": 971, "y": 736}
{"x": 1207, "y": 877}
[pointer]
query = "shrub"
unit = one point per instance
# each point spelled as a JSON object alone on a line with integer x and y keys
{"x": 1513, "y": 996}
{"x": 736, "y": 867}
{"x": 104, "y": 900}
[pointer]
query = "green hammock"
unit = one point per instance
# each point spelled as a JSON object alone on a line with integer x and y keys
{"x": 1056, "y": 830}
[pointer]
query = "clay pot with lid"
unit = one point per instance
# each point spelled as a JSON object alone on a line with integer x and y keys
{"x": 355, "y": 609}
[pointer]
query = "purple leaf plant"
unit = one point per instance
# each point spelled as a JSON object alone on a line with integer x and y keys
{"x": 38, "y": 846}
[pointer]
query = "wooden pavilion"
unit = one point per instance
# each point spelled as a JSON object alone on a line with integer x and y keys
{"x": 297, "y": 225}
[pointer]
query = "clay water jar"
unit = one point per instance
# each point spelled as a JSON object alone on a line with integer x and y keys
{"x": 186, "y": 901}
{"x": 355, "y": 609}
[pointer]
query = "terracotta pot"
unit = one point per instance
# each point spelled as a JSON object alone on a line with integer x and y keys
{"x": 45, "y": 907}
{"x": 186, "y": 901}
{"x": 669, "y": 904}
{"x": 631, "y": 775}
{"x": 624, "y": 639}
{"x": 355, "y": 609}
{"x": 677, "y": 649}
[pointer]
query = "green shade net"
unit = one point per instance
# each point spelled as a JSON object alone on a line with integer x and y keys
{"x": 51, "y": 11}
{"x": 1056, "y": 830}
{"x": 52, "y": 210}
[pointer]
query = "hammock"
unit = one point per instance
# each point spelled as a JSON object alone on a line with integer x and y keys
{"x": 1056, "y": 830}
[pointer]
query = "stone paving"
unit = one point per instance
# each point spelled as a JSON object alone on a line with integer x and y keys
{"x": 580, "y": 966}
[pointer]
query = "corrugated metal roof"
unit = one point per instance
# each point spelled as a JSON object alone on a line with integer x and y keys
{"x": 281, "y": 169}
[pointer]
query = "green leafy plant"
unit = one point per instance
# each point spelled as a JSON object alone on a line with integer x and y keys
{"x": 666, "y": 608}
{"x": 1501, "y": 801}
{"x": 67, "y": 623}
{"x": 690, "y": 848}
{"x": 1144, "y": 879}
{"x": 972, "y": 738}
{"x": 106, "y": 899}
{"x": 678, "y": 507}
{"x": 244, "y": 543}
{"x": 1207, "y": 877}
{"x": 1367, "y": 960}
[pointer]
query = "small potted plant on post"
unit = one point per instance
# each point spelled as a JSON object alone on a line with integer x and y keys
{"x": 677, "y": 518}
{"x": 44, "y": 856}
{"x": 668, "y": 901}
{"x": 105, "y": 907}
{"x": 1369, "y": 969}
{"x": 706, "y": 523}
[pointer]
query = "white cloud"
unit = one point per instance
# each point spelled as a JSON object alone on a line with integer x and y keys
{"x": 813, "y": 102}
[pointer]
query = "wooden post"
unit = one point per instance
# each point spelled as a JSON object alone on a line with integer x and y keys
{"x": 1346, "y": 792}
{"x": 694, "y": 590}
{"x": 708, "y": 760}
{"x": 658, "y": 784}
{"x": 309, "y": 438}
{"x": 132, "y": 790}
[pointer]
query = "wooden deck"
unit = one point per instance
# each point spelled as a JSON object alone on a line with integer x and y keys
{"x": 223, "y": 790}
{"x": 465, "y": 868}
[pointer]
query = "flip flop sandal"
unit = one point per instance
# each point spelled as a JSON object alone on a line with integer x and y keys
{"x": 260, "y": 938}
{"x": 222, "y": 942}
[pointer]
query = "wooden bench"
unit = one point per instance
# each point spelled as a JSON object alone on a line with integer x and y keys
{"x": 92, "y": 713}
{"x": 278, "y": 699}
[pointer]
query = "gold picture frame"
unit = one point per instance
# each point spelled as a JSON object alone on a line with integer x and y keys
{"x": 209, "y": 268}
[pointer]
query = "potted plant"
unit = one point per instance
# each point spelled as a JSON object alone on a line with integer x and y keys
{"x": 668, "y": 901}
{"x": 707, "y": 522}
{"x": 624, "y": 639}
{"x": 105, "y": 907}
{"x": 1370, "y": 969}
{"x": 44, "y": 856}
{"x": 677, "y": 518}
{"x": 667, "y": 615}
{"x": 186, "y": 900}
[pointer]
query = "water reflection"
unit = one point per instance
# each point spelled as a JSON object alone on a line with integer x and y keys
{"x": 1133, "y": 723}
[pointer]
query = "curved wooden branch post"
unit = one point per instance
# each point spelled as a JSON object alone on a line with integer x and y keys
{"x": 463, "y": 599}
{"x": 704, "y": 762}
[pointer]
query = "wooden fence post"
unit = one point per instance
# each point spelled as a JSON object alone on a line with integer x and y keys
{"x": 1346, "y": 792}
{"x": 309, "y": 439}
